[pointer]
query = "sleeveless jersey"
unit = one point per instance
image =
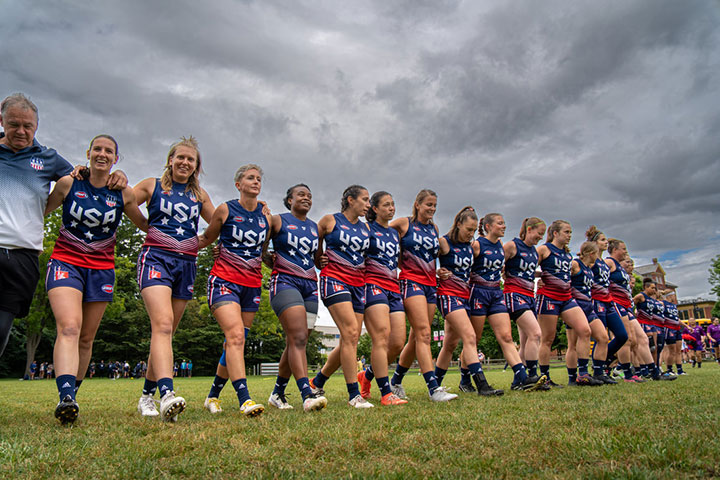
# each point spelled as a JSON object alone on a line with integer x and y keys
{"x": 582, "y": 282}
{"x": 173, "y": 218}
{"x": 345, "y": 248}
{"x": 520, "y": 269}
{"x": 601, "y": 281}
{"x": 241, "y": 243}
{"x": 556, "y": 274}
{"x": 646, "y": 311}
{"x": 295, "y": 246}
{"x": 419, "y": 250}
{"x": 658, "y": 312}
{"x": 381, "y": 259}
{"x": 89, "y": 220}
{"x": 620, "y": 286}
{"x": 672, "y": 317}
{"x": 487, "y": 266}
{"x": 459, "y": 261}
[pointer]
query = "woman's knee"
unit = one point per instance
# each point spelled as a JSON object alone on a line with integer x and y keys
{"x": 68, "y": 331}
{"x": 235, "y": 337}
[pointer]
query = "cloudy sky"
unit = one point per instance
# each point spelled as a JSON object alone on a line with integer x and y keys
{"x": 593, "y": 112}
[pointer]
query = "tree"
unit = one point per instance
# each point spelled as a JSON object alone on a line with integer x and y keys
{"x": 714, "y": 278}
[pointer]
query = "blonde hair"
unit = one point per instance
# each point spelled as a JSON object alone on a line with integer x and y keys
{"x": 527, "y": 224}
{"x": 244, "y": 169}
{"x": 588, "y": 248}
{"x": 193, "y": 183}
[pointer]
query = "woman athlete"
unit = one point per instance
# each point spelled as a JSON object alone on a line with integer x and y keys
{"x": 342, "y": 286}
{"x": 81, "y": 271}
{"x": 167, "y": 265}
{"x": 418, "y": 285}
{"x": 651, "y": 316}
{"x": 456, "y": 260}
{"x": 384, "y": 313}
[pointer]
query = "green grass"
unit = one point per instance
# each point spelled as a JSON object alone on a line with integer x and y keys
{"x": 659, "y": 429}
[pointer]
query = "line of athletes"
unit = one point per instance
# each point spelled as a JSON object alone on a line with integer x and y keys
{"x": 359, "y": 283}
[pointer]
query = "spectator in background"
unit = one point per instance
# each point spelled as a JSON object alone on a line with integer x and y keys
{"x": 189, "y": 368}
{"x": 91, "y": 373}
{"x": 713, "y": 337}
{"x": 183, "y": 368}
{"x": 33, "y": 370}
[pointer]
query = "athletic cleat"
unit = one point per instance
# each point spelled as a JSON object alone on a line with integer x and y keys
{"x": 146, "y": 406}
{"x": 365, "y": 384}
{"x": 316, "y": 391}
{"x": 667, "y": 376}
{"x": 399, "y": 390}
{"x": 67, "y": 410}
{"x": 638, "y": 379}
{"x": 171, "y": 406}
{"x": 552, "y": 384}
{"x": 617, "y": 373}
{"x": 314, "y": 402}
{"x": 442, "y": 396}
{"x": 212, "y": 405}
{"x": 534, "y": 383}
{"x": 443, "y": 388}
{"x": 605, "y": 379}
{"x": 279, "y": 401}
{"x": 251, "y": 409}
{"x": 682, "y": 373}
{"x": 484, "y": 388}
{"x": 467, "y": 388}
{"x": 392, "y": 399}
{"x": 572, "y": 383}
{"x": 359, "y": 402}
{"x": 588, "y": 380}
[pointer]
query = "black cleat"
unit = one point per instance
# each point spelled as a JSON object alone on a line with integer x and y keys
{"x": 605, "y": 379}
{"x": 67, "y": 410}
{"x": 552, "y": 384}
{"x": 531, "y": 384}
{"x": 467, "y": 388}
{"x": 484, "y": 388}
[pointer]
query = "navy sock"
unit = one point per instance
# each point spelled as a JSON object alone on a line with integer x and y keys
{"x": 545, "y": 370}
{"x": 465, "y": 376}
{"x": 320, "y": 379}
{"x": 353, "y": 390}
{"x": 531, "y": 367}
{"x": 644, "y": 369}
{"x": 654, "y": 369}
{"x": 77, "y": 385}
{"x": 474, "y": 368}
{"x": 598, "y": 367}
{"x": 217, "y": 386}
{"x": 626, "y": 370}
{"x": 670, "y": 368}
{"x": 520, "y": 373}
{"x": 439, "y": 374}
{"x": 582, "y": 366}
{"x": 679, "y": 367}
{"x": 572, "y": 374}
{"x": 165, "y": 385}
{"x": 65, "y": 385}
{"x": 369, "y": 374}
{"x": 304, "y": 387}
{"x": 149, "y": 387}
{"x": 384, "y": 384}
{"x": 240, "y": 386}
{"x": 699, "y": 364}
{"x": 399, "y": 374}
{"x": 280, "y": 384}
{"x": 430, "y": 381}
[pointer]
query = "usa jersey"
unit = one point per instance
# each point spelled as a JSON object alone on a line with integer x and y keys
{"x": 89, "y": 220}
{"x": 556, "y": 274}
{"x": 620, "y": 286}
{"x": 601, "y": 281}
{"x": 458, "y": 260}
{"x": 381, "y": 260}
{"x": 672, "y": 317}
{"x": 345, "y": 248}
{"x": 520, "y": 269}
{"x": 658, "y": 312}
{"x": 647, "y": 311}
{"x": 582, "y": 282}
{"x": 420, "y": 247}
{"x": 241, "y": 243}
{"x": 295, "y": 246}
{"x": 173, "y": 217}
{"x": 487, "y": 267}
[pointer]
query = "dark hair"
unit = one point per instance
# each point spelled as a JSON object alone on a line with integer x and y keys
{"x": 647, "y": 281}
{"x": 592, "y": 233}
{"x": 613, "y": 243}
{"x": 422, "y": 194}
{"x": 289, "y": 194}
{"x": 487, "y": 220}
{"x": 555, "y": 227}
{"x": 351, "y": 191}
{"x": 105, "y": 135}
{"x": 527, "y": 224}
{"x": 371, "y": 215}
{"x": 462, "y": 215}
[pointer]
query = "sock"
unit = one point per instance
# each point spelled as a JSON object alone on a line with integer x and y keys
{"x": 217, "y": 386}
{"x": 280, "y": 384}
{"x": 384, "y": 384}
{"x": 531, "y": 367}
{"x": 320, "y": 379}
{"x": 439, "y": 374}
{"x": 545, "y": 370}
{"x": 699, "y": 364}
{"x": 304, "y": 387}
{"x": 474, "y": 368}
{"x": 572, "y": 374}
{"x": 399, "y": 374}
{"x": 430, "y": 381}
{"x": 670, "y": 368}
{"x": 165, "y": 385}
{"x": 598, "y": 367}
{"x": 353, "y": 390}
{"x": 465, "y": 376}
{"x": 644, "y": 369}
{"x": 679, "y": 367}
{"x": 521, "y": 373}
{"x": 149, "y": 387}
{"x": 65, "y": 385}
{"x": 654, "y": 369}
{"x": 240, "y": 386}
{"x": 369, "y": 374}
{"x": 583, "y": 366}
{"x": 77, "y": 385}
{"x": 626, "y": 370}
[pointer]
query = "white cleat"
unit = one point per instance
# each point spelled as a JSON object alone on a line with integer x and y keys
{"x": 171, "y": 406}
{"x": 212, "y": 405}
{"x": 251, "y": 409}
{"x": 399, "y": 391}
{"x": 279, "y": 401}
{"x": 314, "y": 402}
{"x": 442, "y": 396}
{"x": 360, "y": 402}
{"x": 146, "y": 406}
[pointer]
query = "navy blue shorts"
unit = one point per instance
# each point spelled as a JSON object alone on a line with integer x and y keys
{"x": 375, "y": 295}
{"x": 672, "y": 336}
{"x": 588, "y": 309}
{"x": 547, "y": 306}
{"x": 95, "y": 285}
{"x": 623, "y": 312}
{"x": 450, "y": 303}
{"x": 334, "y": 291}
{"x": 486, "y": 301}
{"x": 650, "y": 329}
{"x": 162, "y": 267}
{"x": 289, "y": 291}
{"x": 219, "y": 290}
{"x": 517, "y": 304}
{"x": 408, "y": 289}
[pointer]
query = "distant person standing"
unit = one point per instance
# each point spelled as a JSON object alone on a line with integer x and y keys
{"x": 183, "y": 368}
{"x": 33, "y": 370}
{"x": 189, "y": 368}
{"x": 713, "y": 337}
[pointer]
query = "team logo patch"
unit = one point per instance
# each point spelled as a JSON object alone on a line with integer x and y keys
{"x": 167, "y": 192}
{"x": 61, "y": 274}
{"x": 523, "y": 254}
{"x": 520, "y": 301}
{"x": 154, "y": 273}
{"x": 478, "y": 305}
{"x": 107, "y": 288}
{"x": 224, "y": 290}
{"x": 550, "y": 306}
{"x": 261, "y": 222}
{"x": 337, "y": 288}
{"x": 416, "y": 228}
{"x": 239, "y": 219}
{"x": 364, "y": 233}
{"x": 37, "y": 163}
{"x": 344, "y": 227}
{"x": 314, "y": 232}
{"x": 81, "y": 194}
{"x": 415, "y": 288}
{"x": 191, "y": 288}
{"x": 488, "y": 252}
{"x": 378, "y": 234}
{"x": 256, "y": 300}
{"x": 111, "y": 202}
{"x": 192, "y": 197}
{"x": 375, "y": 291}
{"x": 292, "y": 227}
{"x": 456, "y": 250}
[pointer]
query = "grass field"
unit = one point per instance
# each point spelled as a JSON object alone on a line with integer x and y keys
{"x": 653, "y": 430}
